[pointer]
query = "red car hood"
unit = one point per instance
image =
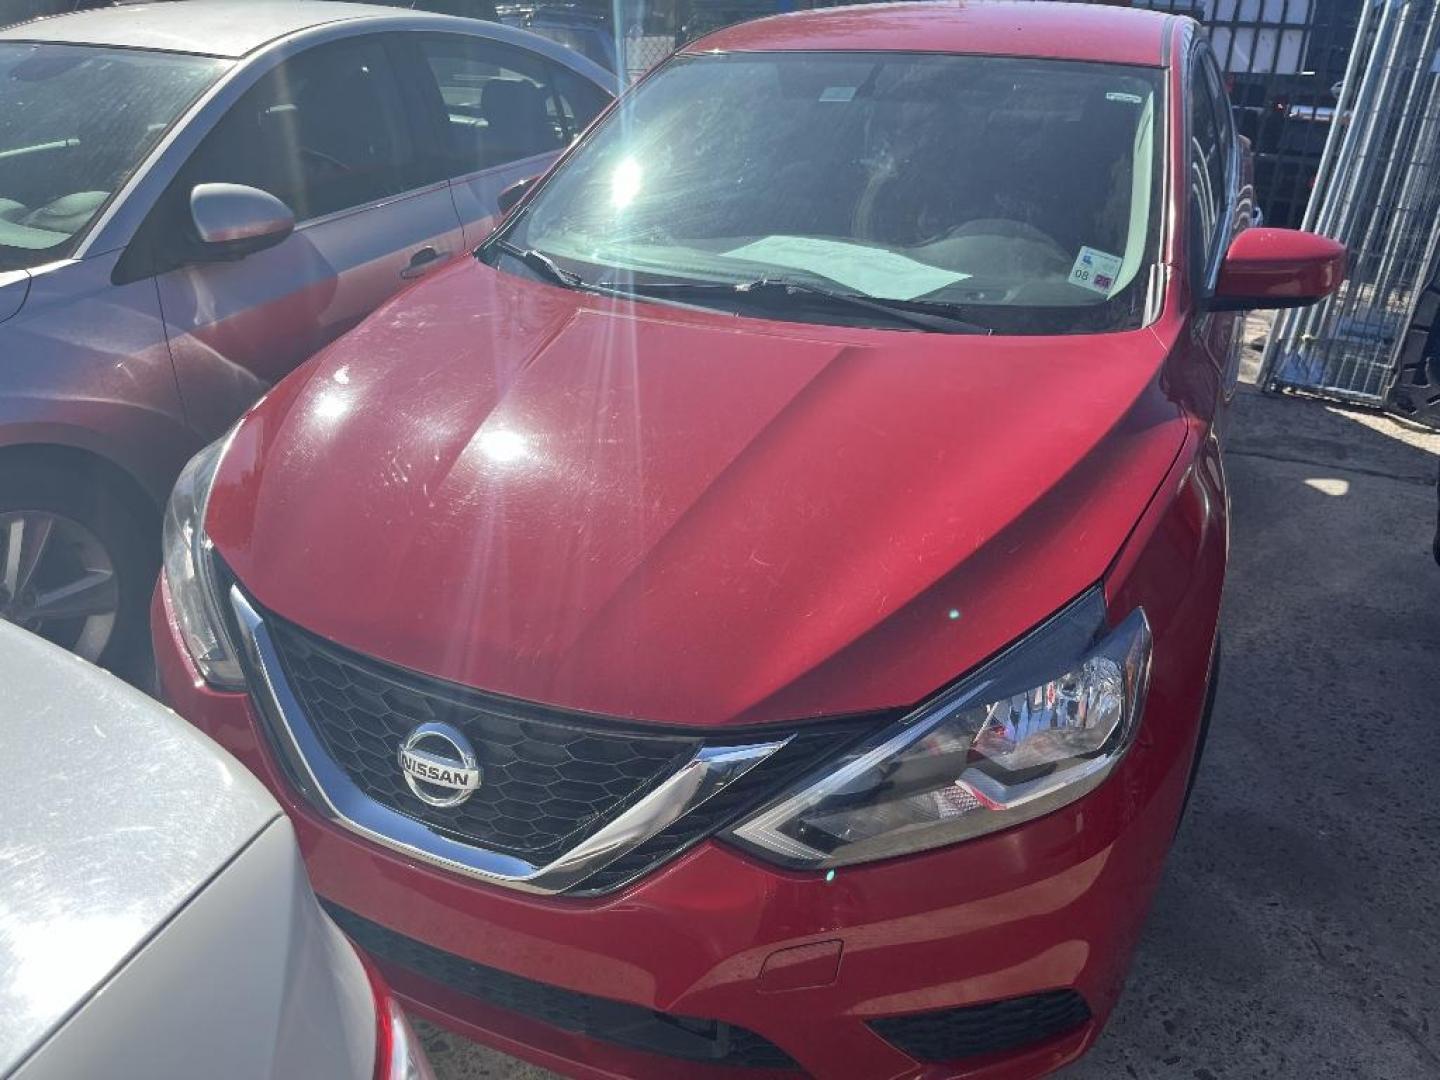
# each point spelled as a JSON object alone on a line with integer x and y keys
{"x": 686, "y": 516}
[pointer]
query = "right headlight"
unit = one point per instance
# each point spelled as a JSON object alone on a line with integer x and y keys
{"x": 190, "y": 571}
{"x": 1036, "y": 728}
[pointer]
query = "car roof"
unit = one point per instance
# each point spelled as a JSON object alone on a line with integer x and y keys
{"x": 229, "y": 28}
{"x": 1066, "y": 31}
{"x": 116, "y": 812}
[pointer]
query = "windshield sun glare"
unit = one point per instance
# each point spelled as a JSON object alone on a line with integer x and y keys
{"x": 1021, "y": 192}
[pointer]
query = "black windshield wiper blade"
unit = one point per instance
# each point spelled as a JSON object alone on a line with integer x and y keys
{"x": 940, "y": 315}
{"x": 543, "y": 265}
{"x": 928, "y": 315}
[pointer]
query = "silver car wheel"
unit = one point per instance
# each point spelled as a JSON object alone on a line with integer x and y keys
{"x": 57, "y": 579}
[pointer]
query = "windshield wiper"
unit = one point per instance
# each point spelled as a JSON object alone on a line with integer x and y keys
{"x": 927, "y": 315}
{"x": 543, "y": 265}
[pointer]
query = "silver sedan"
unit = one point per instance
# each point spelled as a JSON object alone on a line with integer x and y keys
{"x": 194, "y": 197}
{"x": 155, "y": 917}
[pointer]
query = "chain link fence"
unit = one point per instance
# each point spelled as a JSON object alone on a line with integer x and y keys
{"x": 654, "y": 30}
{"x": 643, "y": 51}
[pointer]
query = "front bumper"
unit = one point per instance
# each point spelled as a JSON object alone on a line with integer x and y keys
{"x": 1055, "y": 904}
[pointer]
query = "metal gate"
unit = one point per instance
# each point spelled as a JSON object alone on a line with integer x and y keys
{"x": 1378, "y": 191}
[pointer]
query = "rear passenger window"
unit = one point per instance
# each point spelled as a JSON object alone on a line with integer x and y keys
{"x": 499, "y": 104}
{"x": 322, "y": 132}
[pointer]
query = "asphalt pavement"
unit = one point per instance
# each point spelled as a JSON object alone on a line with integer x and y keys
{"x": 1297, "y": 929}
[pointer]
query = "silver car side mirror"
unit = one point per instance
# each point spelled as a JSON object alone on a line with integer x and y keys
{"x": 233, "y": 220}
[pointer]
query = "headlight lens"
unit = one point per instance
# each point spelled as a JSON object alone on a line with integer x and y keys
{"x": 190, "y": 571}
{"x": 1035, "y": 729}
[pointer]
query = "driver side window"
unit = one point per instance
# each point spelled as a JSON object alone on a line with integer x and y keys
{"x": 321, "y": 132}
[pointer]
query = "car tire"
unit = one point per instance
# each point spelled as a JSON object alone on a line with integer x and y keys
{"x": 89, "y": 524}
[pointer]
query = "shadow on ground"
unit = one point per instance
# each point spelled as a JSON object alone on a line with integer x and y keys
{"x": 1297, "y": 929}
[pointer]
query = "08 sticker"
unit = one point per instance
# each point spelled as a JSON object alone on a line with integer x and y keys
{"x": 1095, "y": 270}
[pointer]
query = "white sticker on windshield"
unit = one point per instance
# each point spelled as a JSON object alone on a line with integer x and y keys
{"x": 1120, "y": 95}
{"x": 1095, "y": 270}
{"x": 837, "y": 93}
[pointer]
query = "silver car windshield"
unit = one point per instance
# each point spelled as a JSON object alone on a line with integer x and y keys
{"x": 75, "y": 122}
{"x": 1023, "y": 191}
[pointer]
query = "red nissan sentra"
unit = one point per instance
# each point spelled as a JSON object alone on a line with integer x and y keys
{"x": 756, "y": 618}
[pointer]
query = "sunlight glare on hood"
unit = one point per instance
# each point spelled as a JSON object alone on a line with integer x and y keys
{"x": 331, "y": 405}
{"x": 503, "y": 446}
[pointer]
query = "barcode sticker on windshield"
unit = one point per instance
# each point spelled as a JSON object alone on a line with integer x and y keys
{"x": 1095, "y": 270}
{"x": 837, "y": 93}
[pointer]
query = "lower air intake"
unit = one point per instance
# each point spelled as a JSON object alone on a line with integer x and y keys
{"x": 998, "y": 1026}
{"x": 634, "y": 1026}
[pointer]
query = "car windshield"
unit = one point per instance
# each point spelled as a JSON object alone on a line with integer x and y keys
{"x": 75, "y": 121}
{"x": 1022, "y": 193}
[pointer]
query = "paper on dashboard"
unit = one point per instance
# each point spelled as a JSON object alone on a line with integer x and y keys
{"x": 869, "y": 270}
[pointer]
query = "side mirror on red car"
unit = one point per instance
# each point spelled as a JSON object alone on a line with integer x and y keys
{"x": 1278, "y": 268}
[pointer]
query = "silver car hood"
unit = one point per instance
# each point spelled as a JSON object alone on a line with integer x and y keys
{"x": 249, "y": 981}
{"x": 14, "y": 287}
{"x": 113, "y": 814}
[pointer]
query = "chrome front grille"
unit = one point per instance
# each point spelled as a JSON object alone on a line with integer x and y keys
{"x": 549, "y": 780}
{"x": 567, "y": 801}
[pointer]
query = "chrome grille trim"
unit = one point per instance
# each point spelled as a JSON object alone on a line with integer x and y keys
{"x": 331, "y": 791}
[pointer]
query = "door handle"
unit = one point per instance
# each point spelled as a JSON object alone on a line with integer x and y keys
{"x": 421, "y": 261}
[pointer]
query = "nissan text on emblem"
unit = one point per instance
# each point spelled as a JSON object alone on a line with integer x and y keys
{"x": 439, "y": 765}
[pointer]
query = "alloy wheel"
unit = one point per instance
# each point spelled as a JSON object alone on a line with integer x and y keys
{"x": 58, "y": 580}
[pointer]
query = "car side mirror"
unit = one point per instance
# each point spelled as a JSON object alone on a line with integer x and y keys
{"x": 233, "y": 220}
{"x": 507, "y": 199}
{"x": 1278, "y": 268}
